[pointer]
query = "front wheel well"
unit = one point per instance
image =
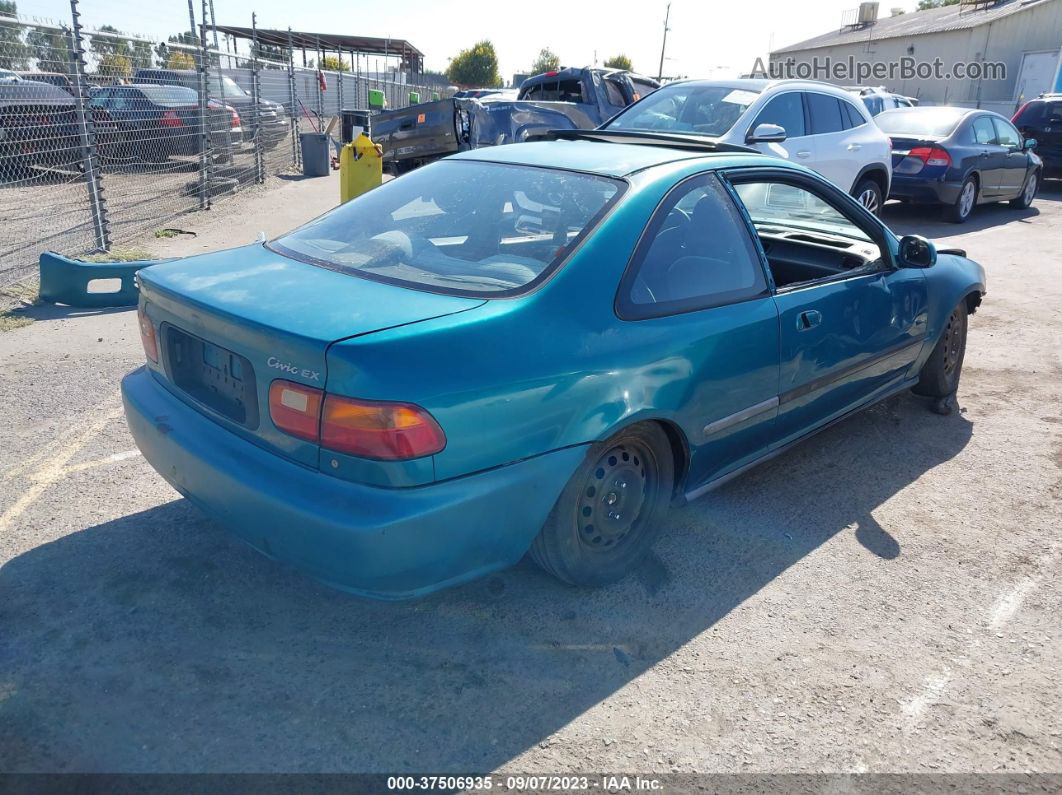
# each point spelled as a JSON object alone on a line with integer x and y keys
{"x": 680, "y": 454}
{"x": 973, "y": 300}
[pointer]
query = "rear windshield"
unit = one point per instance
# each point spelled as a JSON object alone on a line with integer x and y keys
{"x": 687, "y": 107}
{"x": 1041, "y": 113}
{"x": 936, "y": 122}
{"x": 169, "y": 96}
{"x": 458, "y": 226}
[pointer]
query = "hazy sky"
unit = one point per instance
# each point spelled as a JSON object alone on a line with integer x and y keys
{"x": 708, "y": 38}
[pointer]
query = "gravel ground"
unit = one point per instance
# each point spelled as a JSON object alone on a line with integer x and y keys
{"x": 884, "y": 598}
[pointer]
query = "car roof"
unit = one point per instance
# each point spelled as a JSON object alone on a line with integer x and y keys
{"x": 597, "y": 157}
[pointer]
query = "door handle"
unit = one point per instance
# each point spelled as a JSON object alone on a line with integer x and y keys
{"x": 804, "y": 153}
{"x": 808, "y": 319}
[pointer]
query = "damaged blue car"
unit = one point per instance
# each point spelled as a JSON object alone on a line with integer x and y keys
{"x": 535, "y": 348}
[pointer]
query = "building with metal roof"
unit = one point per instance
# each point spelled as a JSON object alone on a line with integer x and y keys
{"x": 1008, "y": 51}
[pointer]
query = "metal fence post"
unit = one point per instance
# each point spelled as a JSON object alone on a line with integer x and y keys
{"x": 294, "y": 103}
{"x": 89, "y": 160}
{"x": 204, "y": 143}
{"x": 259, "y": 165}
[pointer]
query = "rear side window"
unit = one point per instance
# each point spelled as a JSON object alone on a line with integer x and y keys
{"x": 852, "y": 116}
{"x": 874, "y": 104}
{"x": 785, "y": 110}
{"x": 615, "y": 94}
{"x": 696, "y": 253}
{"x": 825, "y": 114}
{"x": 984, "y": 133}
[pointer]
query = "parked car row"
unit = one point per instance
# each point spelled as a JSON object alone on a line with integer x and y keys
{"x": 954, "y": 157}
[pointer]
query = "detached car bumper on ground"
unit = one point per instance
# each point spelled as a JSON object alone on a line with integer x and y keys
{"x": 531, "y": 348}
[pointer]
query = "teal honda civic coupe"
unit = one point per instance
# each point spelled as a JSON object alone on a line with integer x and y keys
{"x": 536, "y": 348}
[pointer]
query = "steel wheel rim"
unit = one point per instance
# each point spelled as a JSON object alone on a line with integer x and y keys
{"x": 1030, "y": 189}
{"x": 869, "y": 200}
{"x": 967, "y": 199}
{"x": 952, "y": 342}
{"x": 615, "y": 497}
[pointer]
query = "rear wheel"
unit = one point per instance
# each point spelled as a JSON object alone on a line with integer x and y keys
{"x": 608, "y": 515}
{"x": 868, "y": 193}
{"x": 1028, "y": 192}
{"x": 940, "y": 374}
{"x": 958, "y": 212}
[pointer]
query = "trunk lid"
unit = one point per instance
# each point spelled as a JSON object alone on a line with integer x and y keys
{"x": 902, "y": 145}
{"x": 231, "y": 322}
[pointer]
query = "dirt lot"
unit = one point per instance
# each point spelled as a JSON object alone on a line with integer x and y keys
{"x": 884, "y": 598}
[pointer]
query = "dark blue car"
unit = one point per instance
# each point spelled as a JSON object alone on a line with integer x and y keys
{"x": 959, "y": 158}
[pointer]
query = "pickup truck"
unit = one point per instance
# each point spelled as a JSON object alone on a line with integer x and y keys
{"x": 565, "y": 99}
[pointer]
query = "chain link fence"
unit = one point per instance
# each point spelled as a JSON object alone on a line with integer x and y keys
{"x": 106, "y": 136}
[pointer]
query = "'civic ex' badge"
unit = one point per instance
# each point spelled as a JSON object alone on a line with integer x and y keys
{"x": 292, "y": 369}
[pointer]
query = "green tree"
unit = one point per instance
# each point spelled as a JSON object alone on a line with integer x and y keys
{"x": 925, "y": 5}
{"x": 179, "y": 59}
{"x": 51, "y": 49}
{"x": 620, "y": 61}
{"x": 476, "y": 67}
{"x": 333, "y": 63}
{"x": 115, "y": 64}
{"x": 547, "y": 61}
{"x": 14, "y": 53}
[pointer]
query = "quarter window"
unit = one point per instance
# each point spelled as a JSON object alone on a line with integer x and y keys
{"x": 615, "y": 94}
{"x": 825, "y": 114}
{"x": 696, "y": 253}
{"x": 983, "y": 131}
{"x": 853, "y": 117}
{"x": 785, "y": 110}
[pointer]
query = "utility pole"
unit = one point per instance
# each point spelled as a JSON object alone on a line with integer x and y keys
{"x": 663, "y": 46}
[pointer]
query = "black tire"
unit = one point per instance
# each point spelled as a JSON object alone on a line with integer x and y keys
{"x": 960, "y": 210}
{"x": 868, "y": 194}
{"x": 589, "y": 539}
{"x": 1028, "y": 192}
{"x": 940, "y": 374}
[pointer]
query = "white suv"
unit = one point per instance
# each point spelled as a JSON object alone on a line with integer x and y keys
{"x": 816, "y": 124}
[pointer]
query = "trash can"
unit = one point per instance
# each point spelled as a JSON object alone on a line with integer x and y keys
{"x": 355, "y": 121}
{"x": 316, "y": 160}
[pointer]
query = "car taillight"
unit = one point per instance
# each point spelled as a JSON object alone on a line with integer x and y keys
{"x": 296, "y": 409}
{"x": 147, "y": 334}
{"x": 378, "y": 429}
{"x": 384, "y": 430}
{"x": 235, "y": 121}
{"x": 931, "y": 156}
{"x": 1021, "y": 110}
{"x": 170, "y": 119}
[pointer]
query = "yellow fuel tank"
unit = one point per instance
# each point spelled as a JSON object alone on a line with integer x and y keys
{"x": 360, "y": 167}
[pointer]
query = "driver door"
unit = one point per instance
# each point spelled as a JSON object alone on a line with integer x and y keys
{"x": 849, "y": 324}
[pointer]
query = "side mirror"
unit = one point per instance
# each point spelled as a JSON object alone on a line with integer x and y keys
{"x": 766, "y": 134}
{"x": 917, "y": 252}
{"x": 1029, "y": 144}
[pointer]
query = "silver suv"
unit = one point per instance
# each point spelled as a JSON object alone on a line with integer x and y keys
{"x": 815, "y": 124}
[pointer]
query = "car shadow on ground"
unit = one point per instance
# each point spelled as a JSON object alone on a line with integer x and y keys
{"x": 156, "y": 642}
{"x": 928, "y": 220}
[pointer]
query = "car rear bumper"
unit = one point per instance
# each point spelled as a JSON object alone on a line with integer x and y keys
{"x": 377, "y": 542}
{"x": 924, "y": 191}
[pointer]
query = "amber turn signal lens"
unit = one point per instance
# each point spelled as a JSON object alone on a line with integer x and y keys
{"x": 379, "y": 429}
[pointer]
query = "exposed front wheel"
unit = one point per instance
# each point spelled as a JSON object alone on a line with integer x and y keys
{"x": 608, "y": 515}
{"x": 940, "y": 374}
